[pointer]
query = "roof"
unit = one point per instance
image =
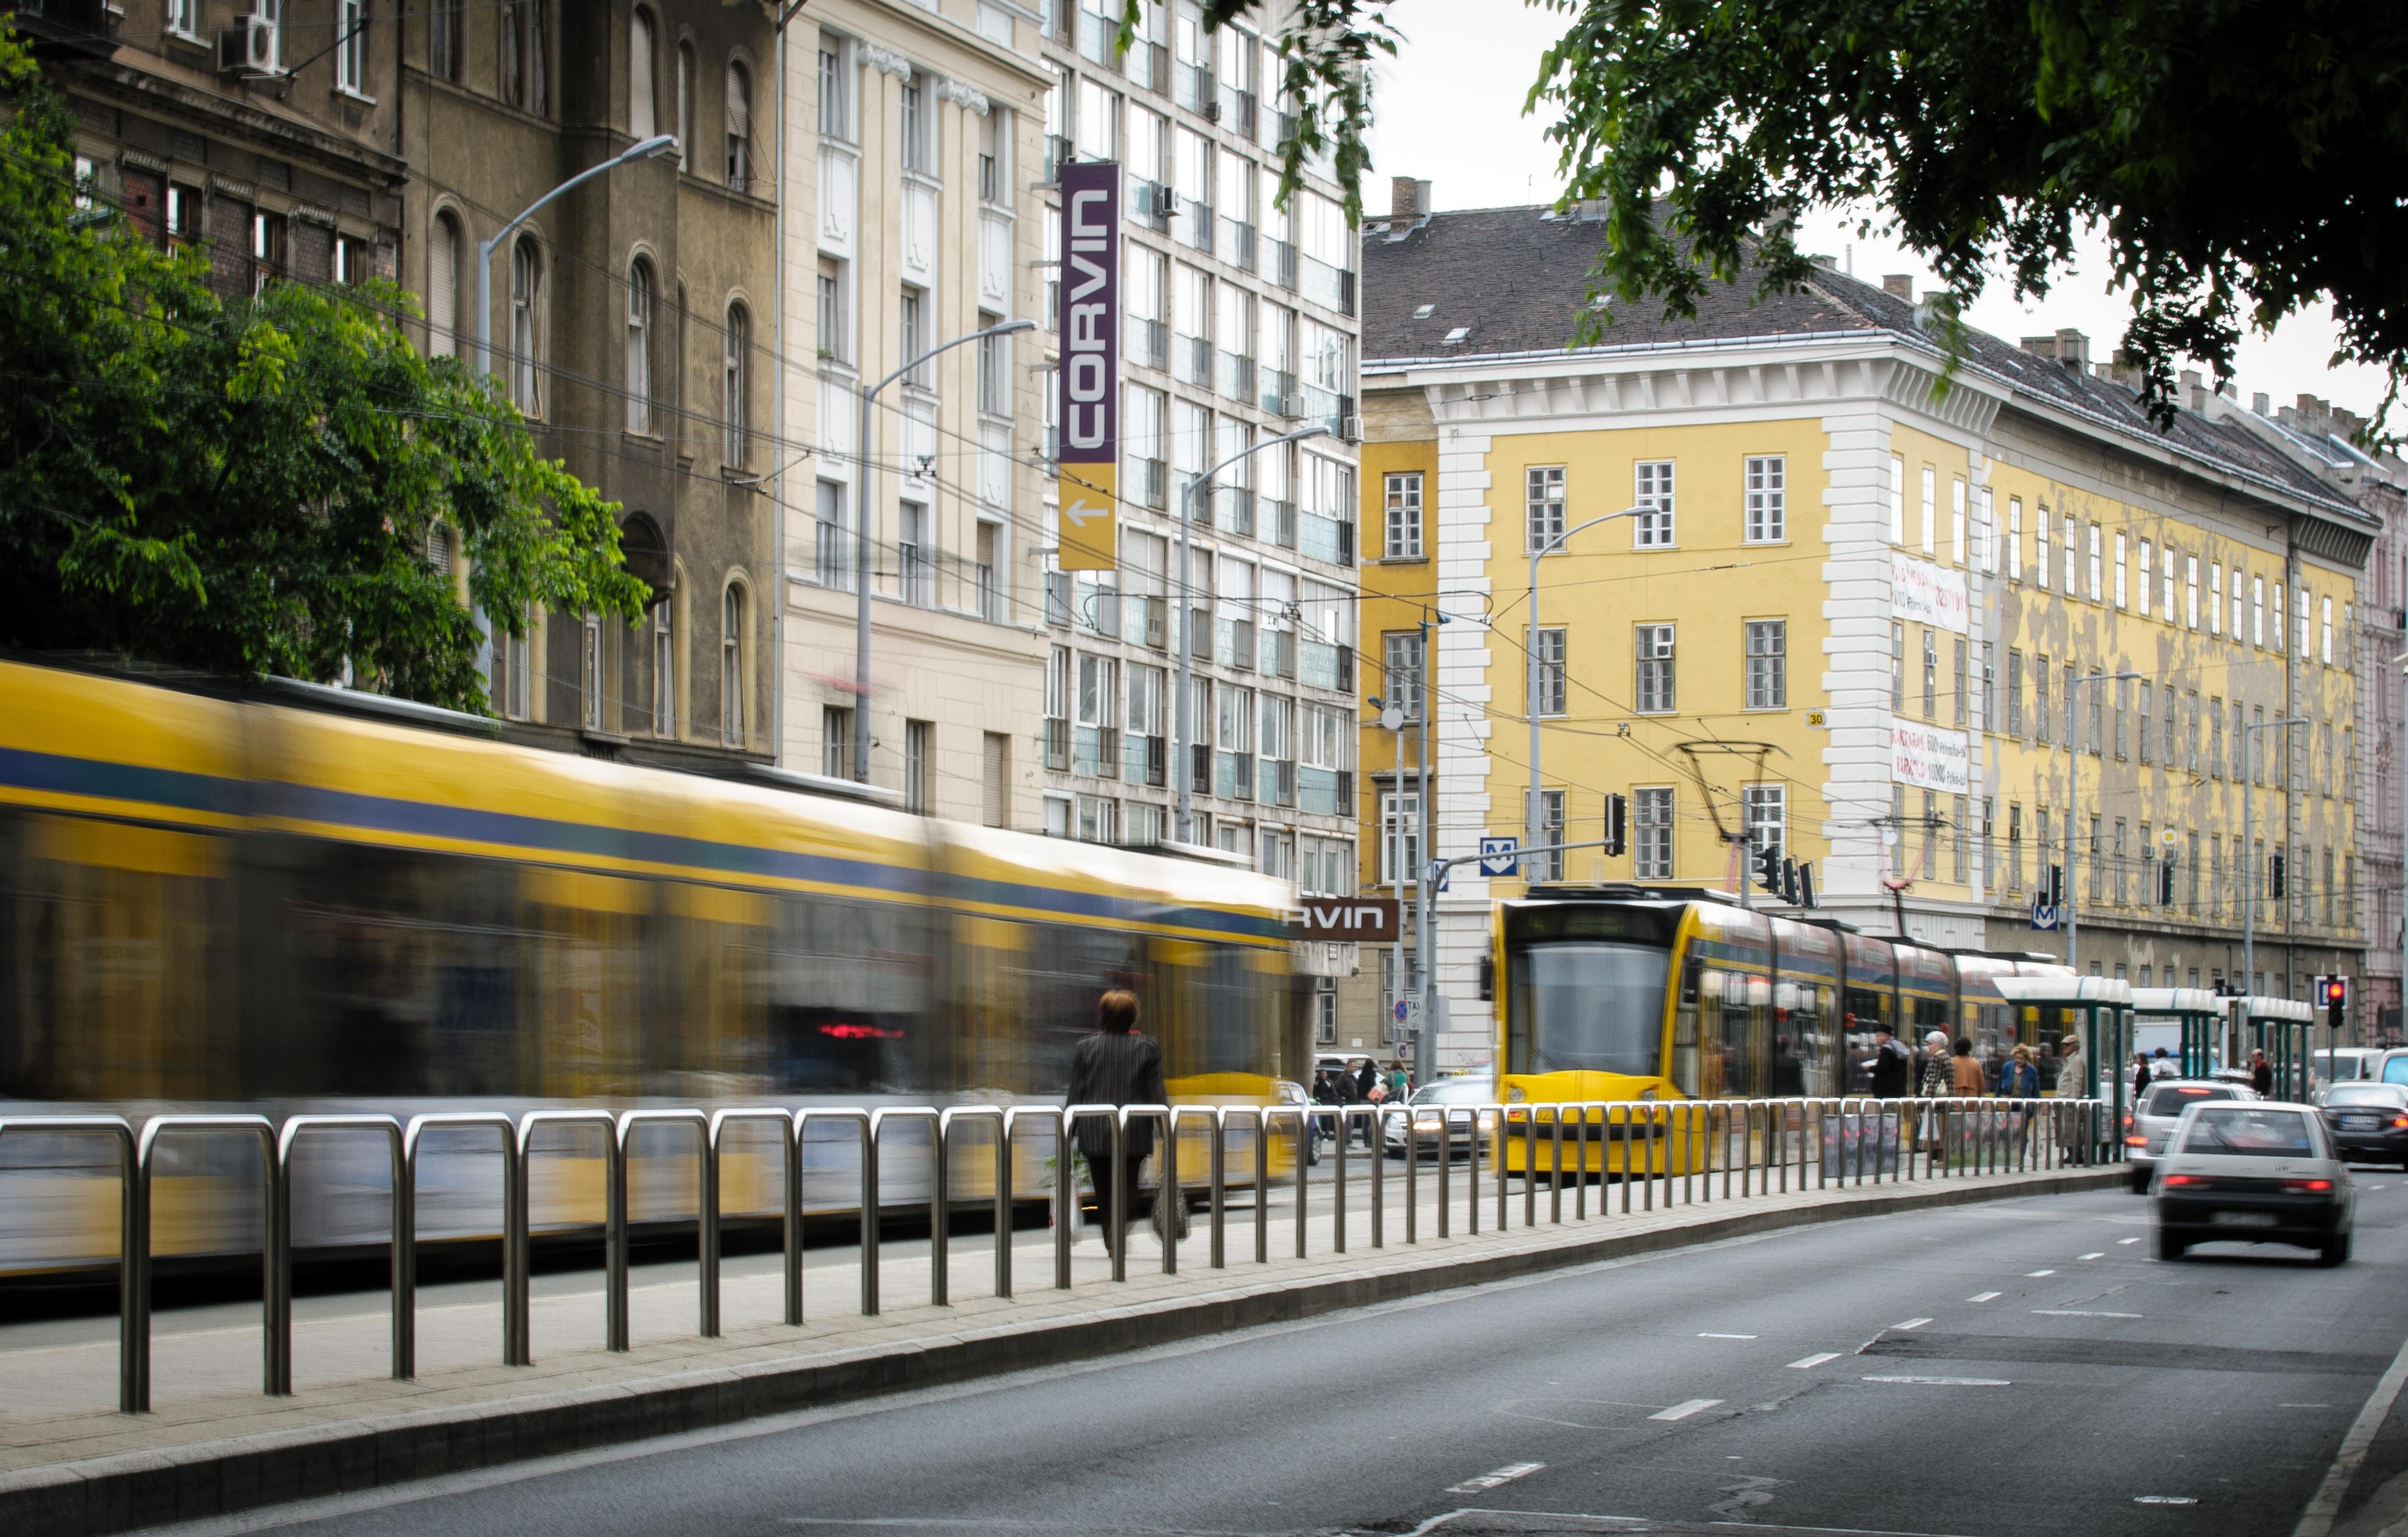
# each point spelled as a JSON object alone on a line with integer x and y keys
{"x": 1515, "y": 281}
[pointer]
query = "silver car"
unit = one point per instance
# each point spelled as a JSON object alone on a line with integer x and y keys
{"x": 1465, "y": 1092}
{"x": 2162, "y": 1106}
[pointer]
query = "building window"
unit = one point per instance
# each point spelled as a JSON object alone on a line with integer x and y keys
{"x": 639, "y": 346}
{"x": 643, "y": 88}
{"x": 835, "y": 340}
{"x": 1404, "y": 515}
{"x": 1653, "y": 492}
{"x": 836, "y": 741}
{"x": 442, "y": 289}
{"x": 731, "y": 665}
{"x": 832, "y": 562}
{"x": 1399, "y": 818}
{"x": 995, "y": 780}
{"x": 919, "y": 152}
{"x": 1768, "y": 499}
{"x": 526, "y": 339}
{"x": 1402, "y": 656}
{"x": 919, "y": 765}
{"x": 589, "y": 670}
{"x": 1988, "y": 721}
{"x": 2097, "y": 556}
{"x": 1544, "y": 501}
{"x": 664, "y": 668}
{"x": 1962, "y": 693}
{"x": 915, "y": 571}
{"x": 2015, "y": 539}
{"x": 836, "y": 99}
{"x": 740, "y": 127}
{"x": 1548, "y": 866}
{"x": 2014, "y": 848}
{"x": 735, "y": 374}
{"x": 912, "y": 315}
{"x": 1549, "y": 659}
{"x": 1652, "y": 813}
{"x": 1956, "y": 520}
{"x": 686, "y": 93}
{"x": 989, "y": 564}
{"x": 352, "y": 46}
{"x": 1897, "y": 500}
{"x": 1898, "y": 666}
{"x": 1098, "y": 820}
{"x": 446, "y": 32}
{"x": 1930, "y": 510}
{"x": 994, "y": 368}
{"x": 2014, "y": 694}
{"x": 1768, "y": 664}
{"x": 2148, "y": 577}
{"x": 1657, "y": 695}
{"x": 2071, "y": 535}
{"x": 1764, "y": 817}
{"x": 1930, "y": 673}
{"x": 2120, "y": 592}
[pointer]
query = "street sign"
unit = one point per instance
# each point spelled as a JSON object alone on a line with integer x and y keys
{"x": 1500, "y": 856}
{"x": 1404, "y": 1011}
{"x": 1818, "y": 721}
{"x": 1365, "y": 920}
{"x": 2044, "y": 916}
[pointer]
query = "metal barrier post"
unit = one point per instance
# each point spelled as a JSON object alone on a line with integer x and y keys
{"x": 1344, "y": 1121}
{"x": 860, "y": 1121}
{"x": 1262, "y": 1117}
{"x": 999, "y": 1202}
{"x": 1529, "y": 1166}
{"x": 706, "y": 1217}
{"x": 1504, "y": 1130}
{"x": 940, "y": 1208}
{"x": 1309, "y": 1124}
{"x": 1446, "y": 1164}
{"x": 403, "y": 1203}
{"x": 1379, "y": 1119}
{"x": 132, "y": 1251}
{"x": 276, "y": 1365}
{"x": 1555, "y": 1181}
{"x": 1413, "y": 1176}
{"x": 1220, "y": 1175}
{"x": 1471, "y": 1175}
{"x": 1166, "y": 1184}
{"x": 405, "y": 1346}
{"x": 518, "y": 1328}
{"x": 715, "y": 1133}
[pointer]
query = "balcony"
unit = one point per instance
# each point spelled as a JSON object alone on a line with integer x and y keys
{"x": 1233, "y": 510}
{"x": 1278, "y": 394}
{"x": 1192, "y": 226}
{"x": 1058, "y": 153}
{"x": 1192, "y": 87}
{"x": 1191, "y": 360}
{"x": 1058, "y": 599}
{"x": 1326, "y": 408}
{"x": 1148, "y": 759}
{"x": 1278, "y": 781}
{"x": 1057, "y": 746}
{"x": 1149, "y": 343}
{"x": 53, "y": 28}
{"x": 1100, "y": 40}
{"x": 1199, "y": 768}
{"x": 1330, "y": 539}
{"x": 1279, "y": 263}
{"x": 1147, "y": 65}
{"x": 1278, "y": 128}
{"x": 1316, "y": 792}
{"x": 1279, "y": 654}
{"x": 1148, "y": 483}
{"x": 1237, "y": 380}
{"x": 1158, "y": 627}
{"x": 1238, "y": 111}
{"x": 1153, "y": 206}
{"x": 1333, "y": 288}
{"x": 1095, "y": 751}
{"x": 1237, "y": 243}
{"x": 1279, "y": 518}
{"x": 1233, "y": 776}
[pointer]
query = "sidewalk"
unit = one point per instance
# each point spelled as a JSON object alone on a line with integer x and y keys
{"x": 71, "y": 1465}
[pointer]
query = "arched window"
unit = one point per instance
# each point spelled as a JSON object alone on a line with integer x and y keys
{"x": 443, "y": 288}
{"x": 737, "y": 380}
{"x": 643, "y": 99}
{"x": 740, "y": 127}
{"x": 445, "y": 31}
{"x": 526, "y": 293}
{"x": 639, "y": 346}
{"x": 731, "y": 665}
{"x": 685, "y": 106}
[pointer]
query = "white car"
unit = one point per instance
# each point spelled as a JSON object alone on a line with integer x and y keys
{"x": 2253, "y": 1173}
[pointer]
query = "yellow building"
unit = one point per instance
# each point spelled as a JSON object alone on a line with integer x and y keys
{"x": 1849, "y": 612}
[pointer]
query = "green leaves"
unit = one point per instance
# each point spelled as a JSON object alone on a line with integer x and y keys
{"x": 251, "y": 485}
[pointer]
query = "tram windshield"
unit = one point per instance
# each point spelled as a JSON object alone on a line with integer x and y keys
{"x": 1588, "y": 1007}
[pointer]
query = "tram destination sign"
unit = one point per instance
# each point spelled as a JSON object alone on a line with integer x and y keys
{"x": 1368, "y": 920}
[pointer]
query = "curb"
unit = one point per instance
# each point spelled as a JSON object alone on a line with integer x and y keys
{"x": 122, "y": 1492}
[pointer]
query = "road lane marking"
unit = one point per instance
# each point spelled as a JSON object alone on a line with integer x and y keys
{"x": 2164, "y": 1499}
{"x": 2127, "y": 1240}
{"x": 2100, "y": 1255}
{"x": 1985, "y": 1297}
{"x": 1683, "y": 1411}
{"x": 1814, "y": 1361}
{"x": 2076, "y": 1313}
{"x": 1911, "y": 1323}
{"x": 2303, "y": 1406}
{"x": 2036, "y": 1275}
{"x": 1947, "y": 1382}
{"x": 1726, "y": 1336}
{"x": 2318, "y": 1520}
{"x": 1505, "y": 1474}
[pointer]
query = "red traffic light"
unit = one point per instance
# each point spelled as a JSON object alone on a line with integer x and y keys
{"x": 2336, "y": 992}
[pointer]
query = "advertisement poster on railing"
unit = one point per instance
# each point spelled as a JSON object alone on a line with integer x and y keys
{"x": 1089, "y": 380}
{"x": 1927, "y": 594}
{"x": 1929, "y": 757}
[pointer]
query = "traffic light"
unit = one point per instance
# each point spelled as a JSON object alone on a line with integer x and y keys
{"x": 1806, "y": 884}
{"x": 2054, "y": 887}
{"x": 2336, "y": 999}
{"x": 1789, "y": 882}
{"x": 1767, "y": 867}
{"x": 1617, "y": 824}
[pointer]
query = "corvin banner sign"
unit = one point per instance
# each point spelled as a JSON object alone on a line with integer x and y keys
{"x": 1089, "y": 409}
{"x": 1929, "y": 757}
{"x": 1927, "y": 594}
{"x": 1369, "y": 920}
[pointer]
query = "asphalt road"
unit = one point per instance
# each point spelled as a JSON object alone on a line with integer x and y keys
{"x": 2003, "y": 1369}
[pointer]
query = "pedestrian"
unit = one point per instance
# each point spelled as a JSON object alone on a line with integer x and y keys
{"x": 1399, "y": 1085}
{"x": 2140, "y": 1073}
{"x": 1367, "y": 1086}
{"x": 1887, "y": 1065}
{"x": 2019, "y": 1078}
{"x": 2261, "y": 1075}
{"x": 1971, "y": 1081}
{"x": 1333, "y": 1088}
{"x": 2072, "y": 1070}
{"x": 1115, "y": 1065}
{"x": 1939, "y": 1078}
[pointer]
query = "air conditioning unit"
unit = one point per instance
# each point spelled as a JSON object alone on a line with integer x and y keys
{"x": 1350, "y": 429}
{"x": 1211, "y": 110}
{"x": 1290, "y": 406}
{"x": 1656, "y": 643}
{"x": 250, "y": 47}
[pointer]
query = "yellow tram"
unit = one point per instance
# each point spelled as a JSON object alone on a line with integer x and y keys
{"x": 1647, "y": 995}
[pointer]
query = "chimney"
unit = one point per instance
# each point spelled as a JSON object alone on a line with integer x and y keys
{"x": 2194, "y": 390}
{"x": 1901, "y": 284}
{"x": 2072, "y": 347}
{"x": 2261, "y": 404}
{"x": 1408, "y": 199}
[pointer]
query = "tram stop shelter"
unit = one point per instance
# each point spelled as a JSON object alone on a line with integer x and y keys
{"x": 2199, "y": 1012}
{"x": 2099, "y": 1010}
{"x": 2284, "y": 1030}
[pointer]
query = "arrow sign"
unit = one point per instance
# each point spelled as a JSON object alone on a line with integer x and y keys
{"x": 1500, "y": 856}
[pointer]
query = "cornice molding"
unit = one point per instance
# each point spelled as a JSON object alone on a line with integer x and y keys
{"x": 1660, "y": 385}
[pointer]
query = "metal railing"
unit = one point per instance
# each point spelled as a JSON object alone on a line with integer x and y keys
{"x": 1671, "y": 1149}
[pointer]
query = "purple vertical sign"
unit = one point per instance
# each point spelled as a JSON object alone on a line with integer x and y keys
{"x": 1090, "y": 404}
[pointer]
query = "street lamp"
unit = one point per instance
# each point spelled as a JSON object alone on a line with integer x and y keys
{"x": 650, "y": 148}
{"x": 1392, "y": 721}
{"x": 1530, "y": 696}
{"x": 2073, "y": 799}
{"x": 2248, "y": 843}
{"x": 861, "y": 541}
{"x": 1184, "y": 750}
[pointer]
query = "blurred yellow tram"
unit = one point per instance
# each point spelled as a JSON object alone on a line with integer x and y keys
{"x": 1644, "y": 995}
{"x": 286, "y": 899}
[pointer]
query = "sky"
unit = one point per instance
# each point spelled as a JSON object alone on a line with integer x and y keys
{"x": 1449, "y": 110}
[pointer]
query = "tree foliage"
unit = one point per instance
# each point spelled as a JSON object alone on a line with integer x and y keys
{"x": 250, "y": 487}
{"x": 2244, "y": 161}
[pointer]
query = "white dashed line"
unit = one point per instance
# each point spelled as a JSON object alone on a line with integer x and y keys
{"x": 1911, "y": 1323}
{"x": 1814, "y": 1361}
{"x": 2100, "y": 1255}
{"x": 2036, "y": 1275}
{"x": 2076, "y": 1313}
{"x": 2164, "y": 1499}
{"x": 1985, "y": 1297}
{"x": 1947, "y": 1382}
{"x": 1726, "y": 1336}
{"x": 2127, "y": 1240}
{"x": 1505, "y": 1474}
{"x": 1683, "y": 1411}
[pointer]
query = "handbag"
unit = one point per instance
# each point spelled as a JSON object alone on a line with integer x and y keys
{"x": 1170, "y": 1214}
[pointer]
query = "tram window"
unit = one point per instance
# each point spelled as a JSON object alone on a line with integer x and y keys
{"x": 1588, "y": 1007}
{"x": 849, "y": 998}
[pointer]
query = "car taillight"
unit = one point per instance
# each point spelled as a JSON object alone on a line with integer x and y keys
{"x": 2400, "y": 1121}
{"x": 2314, "y": 1187}
{"x": 2192, "y": 1182}
{"x": 2136, "y": 1142}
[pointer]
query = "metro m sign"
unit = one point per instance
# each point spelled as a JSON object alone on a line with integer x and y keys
{"x": 1368, "y": 920}
{"x": 1089, "y": 409}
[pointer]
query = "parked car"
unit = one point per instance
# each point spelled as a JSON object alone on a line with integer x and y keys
{"x": 2255, "y": 1173}
{"x": 2368, "y": 1121}
{"x": 2346, "y": 1064}
{"x": 2161, "y": 1107}
{"x": 1465, "y": 1092}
